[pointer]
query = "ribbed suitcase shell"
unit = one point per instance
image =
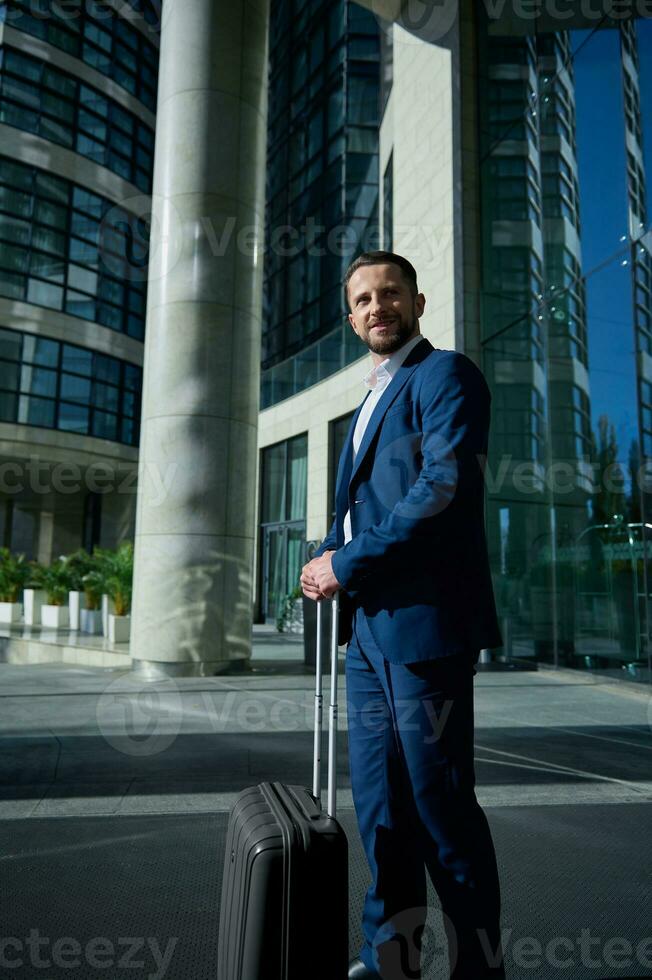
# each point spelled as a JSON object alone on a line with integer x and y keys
{"x": 285, "y": 905}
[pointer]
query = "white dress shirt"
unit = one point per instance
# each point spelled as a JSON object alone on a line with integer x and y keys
{"x": 376, "y": 380}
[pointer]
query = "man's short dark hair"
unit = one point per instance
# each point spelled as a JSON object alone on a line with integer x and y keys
{"x": 382, "y": 258}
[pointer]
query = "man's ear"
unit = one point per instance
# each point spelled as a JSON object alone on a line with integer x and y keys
{"x": 352, "y": 322}
{"x": 420, "y": 303}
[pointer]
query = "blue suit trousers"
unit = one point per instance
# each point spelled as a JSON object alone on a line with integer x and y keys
{"x": 413, "y": 782}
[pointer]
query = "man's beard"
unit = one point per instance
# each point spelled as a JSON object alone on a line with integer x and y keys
{"x": 389, "y": 343}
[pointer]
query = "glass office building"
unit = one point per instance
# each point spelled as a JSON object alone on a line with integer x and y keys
{"x": 78, "y": 89}
{"x": 565, "y": 147}
{"x": 321, "y": 210}
{"x": 322, "y": 185}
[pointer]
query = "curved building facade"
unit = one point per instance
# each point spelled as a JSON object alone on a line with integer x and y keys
{"x": 77, "y": 101}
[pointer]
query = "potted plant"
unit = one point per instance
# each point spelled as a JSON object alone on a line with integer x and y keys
{"x": 34, "y": 595}
{"x": 90, "y": 616}
{"x": 14, "y": 572}
{"x": 78, "y": 565}
{"x": 56, "y": 580}
{"x": 290, "y": 614}
{"x": 103, "y": 563}
{"x": 119, "y": 582}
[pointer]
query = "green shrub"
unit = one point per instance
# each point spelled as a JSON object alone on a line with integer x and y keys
{"x": 115, "y": 571}
{"x": 14, "y": 573}
{"x": 79, "y": 564}
{"x": 55, "y": 579}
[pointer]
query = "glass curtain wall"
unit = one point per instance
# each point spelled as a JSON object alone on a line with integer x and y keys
{"x": 110, "y": 44}
{"x": 67, "y": 249}
{"x": 322, "y": 185}
{"x": 61, "y": 386}
{"x": 40, "y": 99}
{"x": 566, "y": 145}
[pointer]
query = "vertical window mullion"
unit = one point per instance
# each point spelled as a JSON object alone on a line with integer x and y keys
{"x": 286, "y": 514}
{"x": 57, "y": 403}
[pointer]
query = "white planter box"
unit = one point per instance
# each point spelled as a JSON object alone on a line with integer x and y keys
{"x": 119, "y": 627}
{"x": 295, "y": 624}
{"x": 108, "y": 609}
{"x": 90, "y": 621}
{"x": 33, "y": 600}
{"x": 10, "y": 612}
{"x": 55, "y": 617}
{"x": 75, "y": 600}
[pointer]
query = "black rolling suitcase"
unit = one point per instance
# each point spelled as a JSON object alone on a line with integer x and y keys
{"x": 285, "y": 904}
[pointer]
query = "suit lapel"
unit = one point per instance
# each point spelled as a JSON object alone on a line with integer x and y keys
{"x": 346, "y": 463}
{"x": 392, "y": 391}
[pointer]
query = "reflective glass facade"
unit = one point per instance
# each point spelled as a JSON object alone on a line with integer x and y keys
{"x": 566, "y": 125}
{"x": 322, "y": 185}
{"x": 95, "y": 34}
{"x": 150, "y": 10}
{"x": 61, "y": 386}
{"x": 53, "y": 104}
{"x": 67, "y": 249}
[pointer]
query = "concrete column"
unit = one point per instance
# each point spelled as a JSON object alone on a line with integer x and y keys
{"x": 195, "y": 526}
{"x": 45, "y": 537}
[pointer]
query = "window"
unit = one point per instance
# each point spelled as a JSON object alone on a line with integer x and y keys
{"x": 54, "y": 385}
{"x": 338, "y": 430}
{"x": 55, "y": 105}
{"x": 59, "y": 248}
{"x": 283, "y": 510}
{"x": 106, "y": 42}
{"x": 388, "y": 204}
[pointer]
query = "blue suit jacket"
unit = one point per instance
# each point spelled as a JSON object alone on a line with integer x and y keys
{"x": 418, "y": 563}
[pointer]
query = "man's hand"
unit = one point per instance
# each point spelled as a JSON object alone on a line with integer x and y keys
{"x": 317, "y": 578}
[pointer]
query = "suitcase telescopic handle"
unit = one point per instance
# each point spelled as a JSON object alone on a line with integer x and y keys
{"x": 332, "y": 711}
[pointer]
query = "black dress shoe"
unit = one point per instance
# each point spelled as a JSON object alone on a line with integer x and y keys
{"x": 358, "y": 971}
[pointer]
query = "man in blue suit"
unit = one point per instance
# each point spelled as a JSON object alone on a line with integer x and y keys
{"x": 408, "y": 554}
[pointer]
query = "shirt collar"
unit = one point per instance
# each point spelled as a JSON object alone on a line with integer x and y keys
{"x": 382, "y": 373}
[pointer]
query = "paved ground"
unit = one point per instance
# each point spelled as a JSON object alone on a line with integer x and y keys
{"x": 563, "y": 766}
